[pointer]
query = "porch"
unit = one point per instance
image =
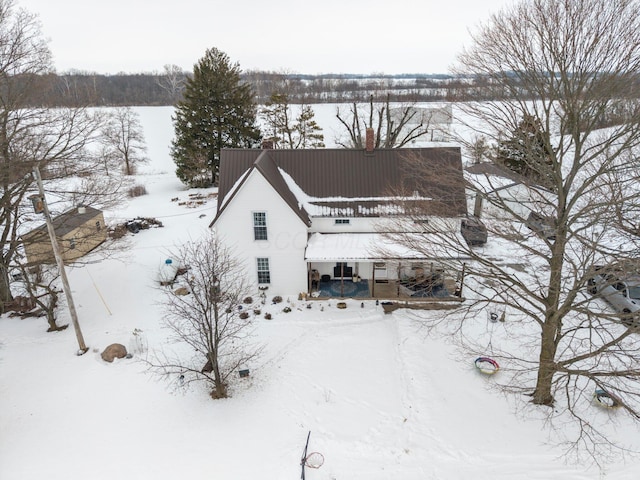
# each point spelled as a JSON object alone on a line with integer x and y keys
{"x": 355, "y": 266}
{"x": 413, "y": 285}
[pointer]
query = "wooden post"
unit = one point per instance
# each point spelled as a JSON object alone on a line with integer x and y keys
{"x": 461, "y": 280}
{"x": 373, "y": 281}
{"x": 60, "y": 262}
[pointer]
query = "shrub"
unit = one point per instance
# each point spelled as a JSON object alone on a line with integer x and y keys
{"x": 248, "y": 300}
{"x": 137, "y": 191}
{"x": 244, "y": 315}
{"x": 286, "y": 309}
{"x": 267, "y": 316}
{"x": 256, "y": 311}
{"x": 118, "y": 231}
{"x": 277, "y": 299}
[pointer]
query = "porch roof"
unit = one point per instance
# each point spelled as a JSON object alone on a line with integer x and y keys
{"x": 323, "y": 247}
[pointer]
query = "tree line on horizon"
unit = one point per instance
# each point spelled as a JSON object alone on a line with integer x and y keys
{"x": 75, "y": 89}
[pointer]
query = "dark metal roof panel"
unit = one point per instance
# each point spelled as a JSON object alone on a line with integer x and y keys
{"x": 343, "y": 173}
{"x": 270, "y": 171}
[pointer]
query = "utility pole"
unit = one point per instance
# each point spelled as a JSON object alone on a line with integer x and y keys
{"x": 63, "y": 274}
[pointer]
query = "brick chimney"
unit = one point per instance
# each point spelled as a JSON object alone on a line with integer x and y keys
{"x": 369, "y": 140}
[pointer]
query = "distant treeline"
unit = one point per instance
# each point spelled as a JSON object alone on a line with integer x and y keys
{"x": 155, "y": 89}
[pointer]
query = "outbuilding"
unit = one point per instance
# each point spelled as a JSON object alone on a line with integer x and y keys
{"x": 78, "y": 231}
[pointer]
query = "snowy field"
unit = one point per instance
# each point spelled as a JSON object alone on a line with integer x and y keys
{"x": 383, "y": 398}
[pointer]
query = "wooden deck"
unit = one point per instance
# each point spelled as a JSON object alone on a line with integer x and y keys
{"x": 392, "y": 290}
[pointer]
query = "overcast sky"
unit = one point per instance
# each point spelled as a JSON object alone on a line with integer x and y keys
{"x": 332, "y": 36}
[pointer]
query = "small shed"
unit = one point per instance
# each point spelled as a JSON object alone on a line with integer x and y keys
{"x": 78, "y": 231}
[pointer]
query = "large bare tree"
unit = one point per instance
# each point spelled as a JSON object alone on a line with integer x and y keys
{"x": 394, "y": 125}
{"x": 567, "y": 64}
{"x": 124, "y": 142}
{"x": 172, "y": 81}
{"x": 32, "y": 134}
{"x": 209, "y": 320}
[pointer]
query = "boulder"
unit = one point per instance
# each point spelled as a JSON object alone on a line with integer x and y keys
{"x": 115, "y": 350}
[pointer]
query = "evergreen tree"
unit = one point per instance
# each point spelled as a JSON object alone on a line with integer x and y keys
{"x": 277, "y": 118}
{"x": 527, "y": 151}
{"x": 310, "y": 133}
{"x": 284, "y": 131}
{"x": 217, "y": 111}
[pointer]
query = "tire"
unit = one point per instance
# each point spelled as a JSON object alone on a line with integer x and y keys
{"x": 627, "y": 318}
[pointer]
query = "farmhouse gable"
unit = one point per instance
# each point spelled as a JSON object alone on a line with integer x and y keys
{"x": 340, "y": 198}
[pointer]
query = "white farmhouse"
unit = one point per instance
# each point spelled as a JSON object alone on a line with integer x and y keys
{"x": 313, "y": 221}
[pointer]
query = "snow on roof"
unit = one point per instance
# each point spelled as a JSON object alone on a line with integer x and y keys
{"x": 346, "y": 206}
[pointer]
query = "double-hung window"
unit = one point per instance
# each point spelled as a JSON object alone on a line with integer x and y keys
{"x": 264, "y": 275}
{"x": 259, "y": 226}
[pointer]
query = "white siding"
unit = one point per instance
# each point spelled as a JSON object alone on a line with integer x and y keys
{"x": 356, "y": 225}
{"x": 286, "y": 236}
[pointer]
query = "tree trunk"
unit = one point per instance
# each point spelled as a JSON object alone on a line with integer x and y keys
{"x": 5, "y": 289}
{"x": 220, "y": 389}
{"x": 543, "y": 395}
{"x": 50, "y": 308}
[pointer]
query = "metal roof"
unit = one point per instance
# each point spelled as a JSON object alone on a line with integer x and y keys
{"x": 353, "y": 176}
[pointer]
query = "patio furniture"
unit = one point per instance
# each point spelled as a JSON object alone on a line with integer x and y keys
{"x": 315, "y": 278}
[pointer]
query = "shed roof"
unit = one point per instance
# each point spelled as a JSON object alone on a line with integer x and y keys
{"x": 68, "y": 221}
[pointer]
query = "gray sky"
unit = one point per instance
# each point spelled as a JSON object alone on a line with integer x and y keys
{"x": 332, "y": 36}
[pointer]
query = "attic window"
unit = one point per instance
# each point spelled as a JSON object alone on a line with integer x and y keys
{"x": 342, "y": 221}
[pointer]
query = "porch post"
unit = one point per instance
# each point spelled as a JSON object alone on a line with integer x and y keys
{"x": 373, "y": 280}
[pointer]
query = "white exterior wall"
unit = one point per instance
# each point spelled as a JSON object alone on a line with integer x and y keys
{"x": 356, "y": 225}
{"x": 376, "y": 224}
{"x": 286, "y": 236}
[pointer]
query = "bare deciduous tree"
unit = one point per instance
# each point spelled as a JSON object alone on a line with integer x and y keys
{"x": 394, "y": 127}
{"x": 54, "y": 139}
{"x": 208, "y": 319}
{"x": 173, "y": 81}
{"x": 563, "y": 64}
{"x": 40, "y": 285}
{"x": 124, "y": 140}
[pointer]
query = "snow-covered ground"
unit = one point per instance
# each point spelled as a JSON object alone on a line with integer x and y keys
{"x": 383, "y": 398}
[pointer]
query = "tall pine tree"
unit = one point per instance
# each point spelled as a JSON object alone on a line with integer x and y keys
{"x": 217, "y": 111}
{"x": 286, "y": 131}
